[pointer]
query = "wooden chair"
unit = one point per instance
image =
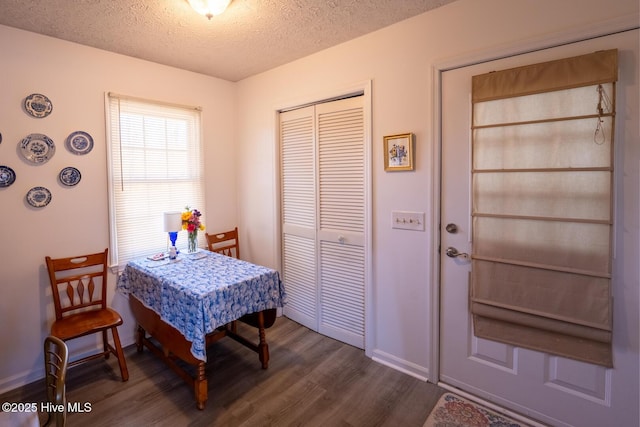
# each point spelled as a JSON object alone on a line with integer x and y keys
{"x": 56, "y": 360}
{"x": 55, "y": 368}
{"x": 225, "y": 243}
{"x": 79, "y": 287}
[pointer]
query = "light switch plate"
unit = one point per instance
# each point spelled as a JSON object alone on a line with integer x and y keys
{"x": 407, "y": 220}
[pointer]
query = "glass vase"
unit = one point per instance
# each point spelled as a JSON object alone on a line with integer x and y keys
{"x": 192, "y": 241}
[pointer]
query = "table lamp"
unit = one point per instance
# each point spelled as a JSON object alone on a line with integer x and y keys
{"x": 173, "y": 224}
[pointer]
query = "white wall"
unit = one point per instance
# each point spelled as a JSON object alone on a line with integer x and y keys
{"x": 75, "y": 79}
{"x": 400, "y": 61}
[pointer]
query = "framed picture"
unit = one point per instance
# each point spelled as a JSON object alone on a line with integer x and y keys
{"x": 398, "y": 152}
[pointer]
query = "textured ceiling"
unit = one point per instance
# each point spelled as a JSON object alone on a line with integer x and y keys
{"x": 250, "y": 37}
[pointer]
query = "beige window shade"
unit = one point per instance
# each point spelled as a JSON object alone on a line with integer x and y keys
{"x": 542, "y": 182}
{"x": 580, "y": 71}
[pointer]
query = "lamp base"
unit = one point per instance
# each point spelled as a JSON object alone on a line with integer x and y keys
{"x": 173, "y": 236}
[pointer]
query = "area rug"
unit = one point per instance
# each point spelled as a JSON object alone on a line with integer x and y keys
{"x": 454, "y": 411}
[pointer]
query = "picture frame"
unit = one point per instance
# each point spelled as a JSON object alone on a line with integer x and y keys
{"x": 398, "y": 152}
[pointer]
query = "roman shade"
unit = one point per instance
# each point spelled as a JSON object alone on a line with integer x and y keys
{"x": 542, "y": 206}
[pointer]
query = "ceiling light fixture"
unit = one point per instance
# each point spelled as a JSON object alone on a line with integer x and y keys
{"x": 209, "y": 8}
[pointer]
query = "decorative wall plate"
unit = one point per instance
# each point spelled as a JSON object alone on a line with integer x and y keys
{"x": 38, "y": 197}
{"x": 79, "y": 142}
{"x": 38, "y": 105}
{"x": 70, "y": 176}
{"x": 7, "y": 176}
{"x": 37, "y": 148}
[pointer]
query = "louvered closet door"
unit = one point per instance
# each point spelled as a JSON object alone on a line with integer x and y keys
{"x": 323, "y": 217}
{"x": 297, "y": 153}
{"x": 341, "y": 219}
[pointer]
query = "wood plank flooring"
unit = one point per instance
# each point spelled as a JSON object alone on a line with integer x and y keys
{"x": 312, "y": 380}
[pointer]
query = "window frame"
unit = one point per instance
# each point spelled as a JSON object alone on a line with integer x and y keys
{"x": 171, "y": 180}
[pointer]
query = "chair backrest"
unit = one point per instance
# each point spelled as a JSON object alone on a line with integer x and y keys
{"x": 56, "y": 360}
{"x": 78, "y": 283}
{"x": 225, "y": 243}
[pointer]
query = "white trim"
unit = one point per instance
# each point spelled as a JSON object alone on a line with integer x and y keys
{"x": 277, "y": 187}
{"x": 574, "y": 35}
{"x": 152, "y": 101}
{"x": 113, "y": 242}
{"x": 434, "y": 262}
{"x": 401, "y": 365}
{"x": 368, "y": 237}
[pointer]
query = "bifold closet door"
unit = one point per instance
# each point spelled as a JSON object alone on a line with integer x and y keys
{"x": 323, "y": 217}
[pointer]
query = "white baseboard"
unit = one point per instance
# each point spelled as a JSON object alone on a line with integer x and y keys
{"x": 409, "y": 368}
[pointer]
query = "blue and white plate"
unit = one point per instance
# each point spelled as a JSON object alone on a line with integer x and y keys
{"x": 37, "y": 148}
{"x": 38, "y": 197}
{"x": 79, "y": 142}
{"x": 7, "y": 176}
{"x": 70, "y": 176}
{"x": 38, "y": 105}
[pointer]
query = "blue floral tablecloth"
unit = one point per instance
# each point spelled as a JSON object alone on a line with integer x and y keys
{"x": 196, "y": 293}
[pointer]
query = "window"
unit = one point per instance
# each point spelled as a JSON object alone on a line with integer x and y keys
{"x": 155, "y": 166}
{"x": 543, "y": 204}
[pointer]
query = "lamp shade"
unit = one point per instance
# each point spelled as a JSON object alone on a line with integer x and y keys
{"x": 172, "y": 221}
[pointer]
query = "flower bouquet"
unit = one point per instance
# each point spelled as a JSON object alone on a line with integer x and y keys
{"x": 191, "y": 222}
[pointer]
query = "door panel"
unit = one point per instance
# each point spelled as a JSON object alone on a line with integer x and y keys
{"x": 341, "y": 219}
{"x": 548, "y": 388}
{"x": 297, "y": 152}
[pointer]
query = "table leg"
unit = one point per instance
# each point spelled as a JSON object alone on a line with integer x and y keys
{"x": 140, "y": 339}
{"x": 200, "y": 386}
{"x": 263, "y": 347}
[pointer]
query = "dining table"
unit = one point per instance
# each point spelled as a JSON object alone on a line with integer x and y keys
{"x": 184, "y": 305}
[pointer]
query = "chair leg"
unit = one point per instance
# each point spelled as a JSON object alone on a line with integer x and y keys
{"x": 121, "y": 361}
{"x": 105, "y": 344}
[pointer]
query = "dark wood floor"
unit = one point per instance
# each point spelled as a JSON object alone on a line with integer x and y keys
{"x": 312, "y": 380}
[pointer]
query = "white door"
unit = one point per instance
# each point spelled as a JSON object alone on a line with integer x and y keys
{"x": 551, "y": 389}
{"x": 298, "y": 189}
{"x": 341, "y": 219}
{"x": 323, "y": 217}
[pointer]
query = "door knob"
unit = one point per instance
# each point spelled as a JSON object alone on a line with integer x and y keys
{"x": 453, "y": 253}
{"x": 451, "y": 228}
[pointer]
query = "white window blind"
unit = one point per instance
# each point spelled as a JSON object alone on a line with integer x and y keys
{"x": 155, "y": 166}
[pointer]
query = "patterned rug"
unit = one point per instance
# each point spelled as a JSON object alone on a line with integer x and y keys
{"x": 454, "y": 411}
